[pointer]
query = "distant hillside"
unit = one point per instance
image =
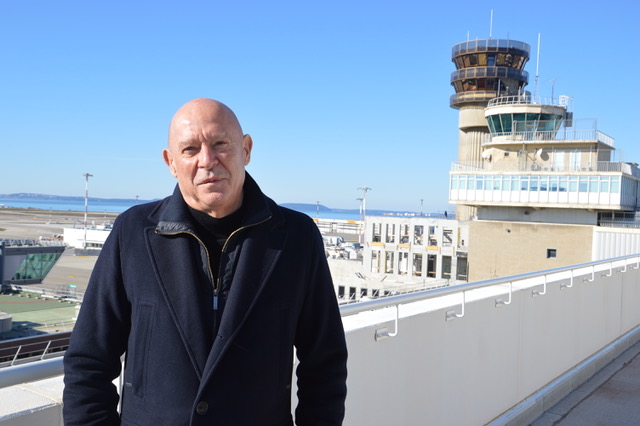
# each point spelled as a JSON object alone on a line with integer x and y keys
{"x": 306, "y": 207}
{"x": 30, "y": 196}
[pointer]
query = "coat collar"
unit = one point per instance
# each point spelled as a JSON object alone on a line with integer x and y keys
{"x": 174, "y": 217}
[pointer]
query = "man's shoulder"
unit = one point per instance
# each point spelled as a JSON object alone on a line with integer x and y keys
{"x": 142, "y": 213}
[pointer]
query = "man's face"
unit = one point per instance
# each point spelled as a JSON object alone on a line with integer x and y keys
{"x": 208, "y": 153}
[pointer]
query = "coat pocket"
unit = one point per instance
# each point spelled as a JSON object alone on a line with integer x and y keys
{"x": 138, "y": 349}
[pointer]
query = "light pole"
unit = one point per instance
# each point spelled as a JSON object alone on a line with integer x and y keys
{"x": 317, "y": 209}
{"x": 364, "y": 190}
{"x": 86, "y": 206}
{"x": 421, "y": 211}
{"x": 361, "y": 225}
{"x": 363, "y": 209}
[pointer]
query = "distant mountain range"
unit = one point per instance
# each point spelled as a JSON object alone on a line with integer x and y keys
{"x": 305, "y": 207}
{"x": 30, "y": 196}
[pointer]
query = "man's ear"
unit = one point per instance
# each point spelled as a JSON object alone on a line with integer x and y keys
{"x": 247, "y": 146}
{"x": 168, "y": 159}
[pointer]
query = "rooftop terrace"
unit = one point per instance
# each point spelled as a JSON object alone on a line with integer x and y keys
{"x": 501, "y": 351}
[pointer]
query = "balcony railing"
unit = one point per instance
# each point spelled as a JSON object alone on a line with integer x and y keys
{"x": 564, "y": 135}
{"x": 527, "y": 98}
{"x": 489, "y": 45}
{"x": 504, "y": 349}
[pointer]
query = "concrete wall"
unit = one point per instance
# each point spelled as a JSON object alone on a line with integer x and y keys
{"x": 530, "y": 214}
{"x": 471, "y": 370}
{"x": 499, "y": 249}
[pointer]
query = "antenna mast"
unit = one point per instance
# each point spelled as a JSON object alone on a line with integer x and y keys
{"x": 491, "y": 25}
{"x": 535, "y": 91}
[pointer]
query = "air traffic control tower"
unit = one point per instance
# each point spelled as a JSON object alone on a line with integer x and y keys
{"x": 485, "y": 69}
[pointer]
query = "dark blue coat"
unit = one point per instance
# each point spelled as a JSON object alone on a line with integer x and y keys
{"x": 150, "y": 296}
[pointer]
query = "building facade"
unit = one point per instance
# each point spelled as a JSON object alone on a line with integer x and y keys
{"x": 415, "y": 252}
{"x": 541, "y": 184}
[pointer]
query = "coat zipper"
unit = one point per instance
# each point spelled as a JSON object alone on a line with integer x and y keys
{"x": 215, "y": 283}
{"x": 216, "y": 288}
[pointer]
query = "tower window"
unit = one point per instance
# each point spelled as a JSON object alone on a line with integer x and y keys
{"x": 552, "y": 253}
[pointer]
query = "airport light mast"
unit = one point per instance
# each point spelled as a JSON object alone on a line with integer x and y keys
{"x": 86, "y": 206}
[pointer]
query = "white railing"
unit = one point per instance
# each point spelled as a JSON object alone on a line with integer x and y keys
{"x": 498, "y": 347}
{"x": 527, "y": 98}
{"x": 493, "y": 347}
{"x": 587, "y": 270}
{"x": 564, "y": 135}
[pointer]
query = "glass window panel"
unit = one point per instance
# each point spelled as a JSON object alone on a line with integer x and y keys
{"x": 506, "y": 183}
{"x": 563, "y": 184}
{"x": 35, "y": 266}
{"x": 496, "y": 183}
{"x": 615, "y": 185}
{"x": 506, "y": 122}
{"x": 488, "y": 182}
{"x": 454, "y": 182}
{"x": 593, "y": 184}
{"x": 524, "y": 183}
{"x": 534, "y": 183}
{"x": 515, "y": 183}
{"x": 573, "y": 184}
{"x": 583, "y": 184}
{"x": 494, "y": 124}
{"x": 471, "y": 182}
{"x": 479, "y": 183}
{"x": 544, "y": 183}
{"x": 553, "y": 183}
{"x": 604, "y": 184}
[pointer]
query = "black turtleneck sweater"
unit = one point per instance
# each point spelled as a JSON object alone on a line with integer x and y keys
{"x": 214, "y": 232}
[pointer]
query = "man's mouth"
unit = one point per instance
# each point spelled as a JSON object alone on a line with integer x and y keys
{"x": 210, "y": 180}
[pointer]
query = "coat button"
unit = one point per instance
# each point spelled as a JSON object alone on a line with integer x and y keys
{"x": 202, "y": 407}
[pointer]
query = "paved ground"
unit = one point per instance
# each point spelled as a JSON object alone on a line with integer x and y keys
{"x": 610, "y": 397}
{"x": 33, "y": 315}
{"x": 34, "y": 223}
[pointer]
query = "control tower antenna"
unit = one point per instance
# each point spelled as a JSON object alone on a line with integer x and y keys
{"x": 535, "y": 87}
{"x": 491, "y": 25}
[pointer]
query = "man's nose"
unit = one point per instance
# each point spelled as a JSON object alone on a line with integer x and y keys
{"x": 208, "y": 157}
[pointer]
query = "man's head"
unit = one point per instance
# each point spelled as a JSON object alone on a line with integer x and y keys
{"x": 208, "y": 152}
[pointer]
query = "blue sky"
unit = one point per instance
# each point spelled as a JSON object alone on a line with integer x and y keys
{"x": 337, "y": 95}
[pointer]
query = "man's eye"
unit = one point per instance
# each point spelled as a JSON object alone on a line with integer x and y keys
{"x": 221, "y": 146}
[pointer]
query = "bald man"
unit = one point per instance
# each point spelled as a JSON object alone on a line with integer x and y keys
{"x": 206, "y": 293}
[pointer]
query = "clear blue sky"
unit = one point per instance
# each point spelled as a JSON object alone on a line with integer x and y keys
{"x": 336, "y": 94}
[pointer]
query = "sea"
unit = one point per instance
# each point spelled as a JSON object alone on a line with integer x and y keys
{"x": 118, "y": 206}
